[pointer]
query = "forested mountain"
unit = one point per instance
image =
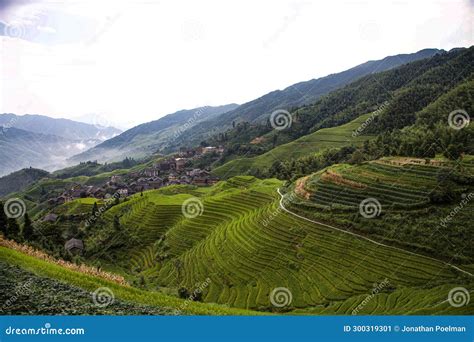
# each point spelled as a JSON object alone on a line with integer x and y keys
{"x": 18, "y": 180}
{"x": 296, "y": 95}
{"x": 397, "y": 95}
{"x": 161, "y": 134}
{"x": 400, "y": 139}
{"x": 153, "y": 136}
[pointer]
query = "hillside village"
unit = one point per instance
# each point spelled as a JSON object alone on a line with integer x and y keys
{"x": 173, "y": 170}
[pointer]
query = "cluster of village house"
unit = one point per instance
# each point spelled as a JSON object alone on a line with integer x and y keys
{"x": 165, "y": 172}
{"x": 170, "y": 171}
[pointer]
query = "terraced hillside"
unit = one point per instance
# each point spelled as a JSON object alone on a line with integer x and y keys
{"x": 334, "y": 137}
{"x": 31, "y": 285}
{"x": 416, "y": 203}
{"x": 345, "y": 186}
{"x": 240, "y": 239}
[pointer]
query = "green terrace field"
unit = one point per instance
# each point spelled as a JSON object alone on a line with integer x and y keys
{"x": 410, "y": 202}
{"x": 71, "y": 292}
{"x": 243, "y": 246}
{"x": 334, "y": 137}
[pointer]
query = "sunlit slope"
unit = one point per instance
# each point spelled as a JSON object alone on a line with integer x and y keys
{"x": 247, "y": 246}
{"x": 334, "y": 137}
{"x": 423, "y": 205}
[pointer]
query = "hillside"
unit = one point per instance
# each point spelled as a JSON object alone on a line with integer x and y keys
{"x": 66, "y": 285}
{"x": 406, "y": 201}
{"x": 297, "y": 95}
{"x": 335, "y": 137}
{"x": 367, "y": 194}
{"x": 21, "y": 149}
{"x": 42, "y": 142}
{"x": 167, "y": 133}
{"x": 151, "y": 137}
{"x": 395, "y": 97}
{"x": 235, "y": 234}
{"x": 19, "y": 180}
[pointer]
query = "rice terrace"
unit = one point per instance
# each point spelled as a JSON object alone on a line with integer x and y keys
{"x": 347, "y": 194}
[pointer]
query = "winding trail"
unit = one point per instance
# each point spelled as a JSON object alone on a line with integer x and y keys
{"x": 366, "y": 238}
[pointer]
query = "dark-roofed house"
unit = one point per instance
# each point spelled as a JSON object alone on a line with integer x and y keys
{"x": 50, "y": 218}
{"x": 74, "y": 246}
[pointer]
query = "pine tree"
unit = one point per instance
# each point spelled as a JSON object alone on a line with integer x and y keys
{"x": 116, "y": 223}
{"x": 27, "y": 231}
{"x": 95, "y": 209}
{"x": 13, "y": 229}
{"x": 3, "y": 220}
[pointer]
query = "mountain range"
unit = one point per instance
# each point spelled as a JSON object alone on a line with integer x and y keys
{"x": 161, "y": 135}
{"x": 151, "y": 137}
{"x": 47, "y": 143}
{"x": 43, "y": 142}
{"x": 356, "y": 194}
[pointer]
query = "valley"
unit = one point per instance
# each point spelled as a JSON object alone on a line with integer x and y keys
{"x": 360, "y": 204}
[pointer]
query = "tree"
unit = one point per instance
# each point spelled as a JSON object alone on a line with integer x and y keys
{"x": 274, "y": 140}
{"x": 13, "y": 229}
{"x": 95, "y": 209}
{"x": 27, "y": 231}
{"x": 454, "y": 151}
{"x": 183, "y": 292}
{"x": 357, "y": 157}
{"x": 3, "y": 220}
{"x": 116, "y": 223}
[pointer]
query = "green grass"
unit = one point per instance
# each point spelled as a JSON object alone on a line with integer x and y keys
{"x": 326, "y": 138}
{"x": 247, "y": 247}
{"x": 38, "y": 293}
{"x": 408, "y": 217}
{"x": 128, "y": 294}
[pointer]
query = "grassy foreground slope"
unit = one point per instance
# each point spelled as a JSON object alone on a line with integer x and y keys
{"x": 334, "y": 137}
{"x": 247, "y": 246}
{"x": 132, "y": 298}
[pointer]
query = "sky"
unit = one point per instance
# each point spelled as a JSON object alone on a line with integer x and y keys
{"x": 121, "y": 63}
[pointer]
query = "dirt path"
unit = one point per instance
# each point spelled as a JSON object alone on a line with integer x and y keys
{"x": 367, "y": 239}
